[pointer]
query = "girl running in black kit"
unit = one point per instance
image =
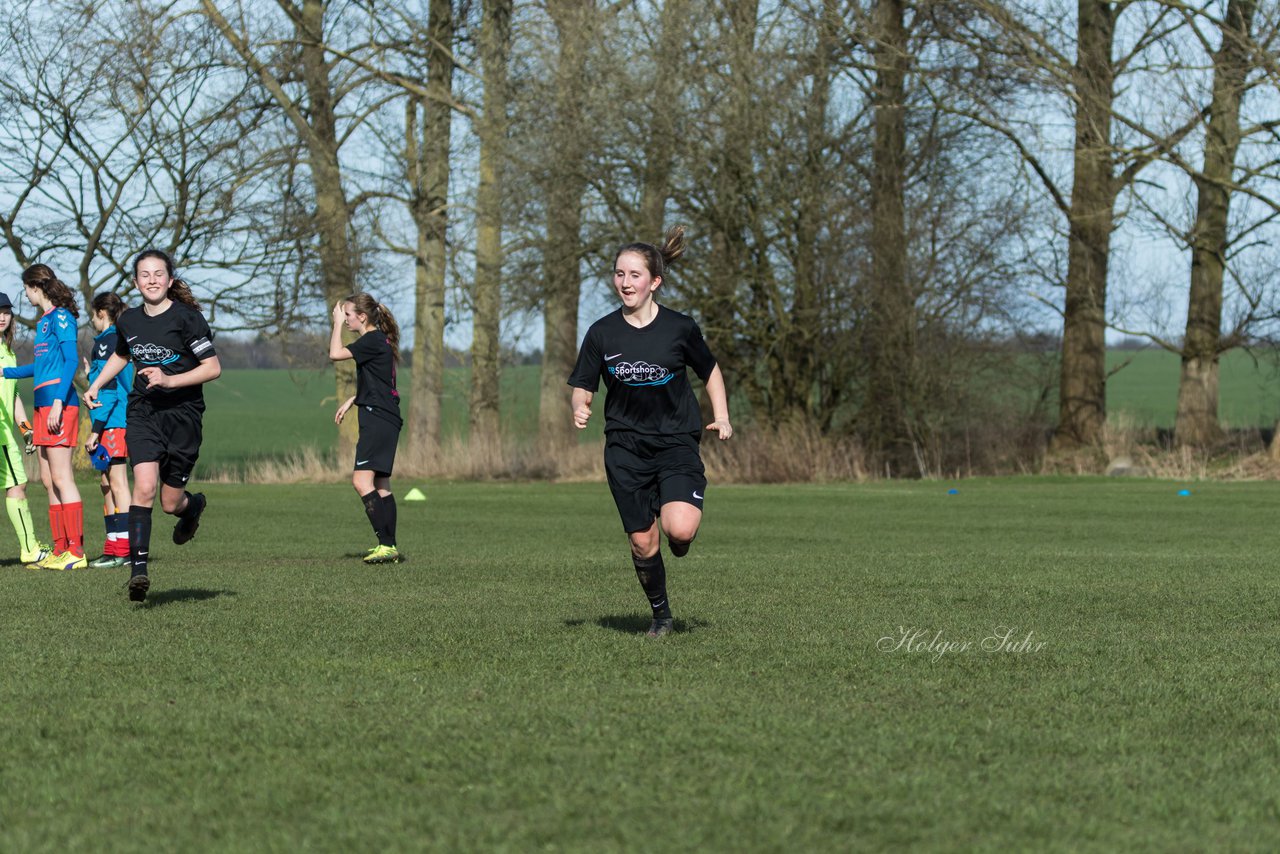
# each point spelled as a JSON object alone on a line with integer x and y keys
{"x": 376, "y": 353}
{"x": 651, "y": 419}
{"x": 169, "y": 343}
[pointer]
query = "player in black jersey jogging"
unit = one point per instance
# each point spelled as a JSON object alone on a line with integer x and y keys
{"x": 169, "y": 343}
{"x": 376, "y": 353}
{"x": 652, "y": 423}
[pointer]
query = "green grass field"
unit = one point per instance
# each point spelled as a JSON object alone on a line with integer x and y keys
{"x": 494, "y": 693}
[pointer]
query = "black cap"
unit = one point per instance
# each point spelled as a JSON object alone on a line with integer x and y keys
{"x": 4, "y": 300}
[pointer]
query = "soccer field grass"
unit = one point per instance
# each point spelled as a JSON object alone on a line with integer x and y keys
{"x": 494, "y": 692}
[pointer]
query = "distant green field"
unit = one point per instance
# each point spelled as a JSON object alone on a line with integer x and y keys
{"x": 253, "y": 414}
{"x": 268, "y": 413}
{"x": 1145, "y": 388}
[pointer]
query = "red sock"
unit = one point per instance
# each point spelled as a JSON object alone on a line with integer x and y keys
{"x": 73, "y": 522}
{"x": 57, "y": 528}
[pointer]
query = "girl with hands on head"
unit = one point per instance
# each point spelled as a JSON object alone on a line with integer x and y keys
{"x": 376, "y": 354}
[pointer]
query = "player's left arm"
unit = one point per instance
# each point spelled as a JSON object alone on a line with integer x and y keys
{"x": 698, "y": 356}
{"x": 719, "y": 404}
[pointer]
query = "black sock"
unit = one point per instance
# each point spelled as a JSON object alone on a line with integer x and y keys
{"x": 389, "y": 502}
{"x": 139, "y": 538}
{"x": 188, "y": 508}
{"x": 375, "y": 507}
{"x": 653, "y": 578}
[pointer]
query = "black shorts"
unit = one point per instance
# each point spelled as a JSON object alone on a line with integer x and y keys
{"x": 169, "y": 435}
{"x": 646, "y": 472}
{"x": 376, "y": 447}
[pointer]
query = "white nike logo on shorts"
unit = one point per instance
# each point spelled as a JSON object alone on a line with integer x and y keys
{"x": 696, "y": 495}
{"x": 361, "y": 462}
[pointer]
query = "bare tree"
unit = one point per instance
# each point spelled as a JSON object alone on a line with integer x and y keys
{"x": 486, "y": 291}
{"x": 311, "y": 109}
{"x": 113, "y": 145}
{"x": 891, "y": 317}
{"x": 1197, "y": 418}
{"x": 566, "y": 183}
{"x": 428, "y": 161}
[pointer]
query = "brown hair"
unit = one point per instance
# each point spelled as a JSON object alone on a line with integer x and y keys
{"x": 657, "y": 259}
{"x": 380, "y": 316}
{"x": 179, "y": 290}
{"x": 42, "y": 278}
{"x": 109, "y": 302}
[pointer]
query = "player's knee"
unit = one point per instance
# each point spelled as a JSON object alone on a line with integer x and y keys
{"x": 644, "y": 546}
{"x": 682, "y": 532}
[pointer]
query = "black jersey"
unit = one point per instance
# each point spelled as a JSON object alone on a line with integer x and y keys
{"x": 646, "y": 388}
{"x": 175, "y": 341}
{"x": 376, "y": 375}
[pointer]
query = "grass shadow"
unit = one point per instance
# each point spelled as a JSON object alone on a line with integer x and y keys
{"x": 635, "y": 623}
{"x": 183, "y": 594}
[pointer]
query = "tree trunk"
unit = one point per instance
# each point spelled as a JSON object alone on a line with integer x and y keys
{"x": 659, "y": 142}
{"x": 891, "y": 343}
{"x": 1082, "y": 409}
{"x": 317, "y": 129}
{"x": 729, "y": 216}
{"x": 793, "y": 363}
{"x": 562, "y": 279}
{"x": 1197, "y": 419}
{"x": 486, "y": 295}
{"x": 429, "y": 171}
{"x": 333, "y": 215}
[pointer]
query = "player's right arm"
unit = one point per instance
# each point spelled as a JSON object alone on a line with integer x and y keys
{"x": 337, "y": 352}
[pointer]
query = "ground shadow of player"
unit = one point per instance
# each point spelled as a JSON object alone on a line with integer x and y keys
{"x": 183, "y": 594}
{"x": 636, "y": 623}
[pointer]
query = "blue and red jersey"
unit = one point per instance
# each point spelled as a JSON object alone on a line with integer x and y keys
{"x": 114, "y": 396}
{"x": 55, "y": 362}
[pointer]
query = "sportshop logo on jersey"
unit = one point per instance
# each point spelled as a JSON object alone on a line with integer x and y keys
{"x": 153, "y": 354}
{"x": 640, "y": 373}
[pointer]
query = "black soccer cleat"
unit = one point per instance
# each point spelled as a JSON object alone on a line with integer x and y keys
{"x": 661, "y": 627}
{"x": 138, "y": 586}
{"x": 189, "y": 522}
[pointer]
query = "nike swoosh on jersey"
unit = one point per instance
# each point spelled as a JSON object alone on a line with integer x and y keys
{"x": 611, "y": 358}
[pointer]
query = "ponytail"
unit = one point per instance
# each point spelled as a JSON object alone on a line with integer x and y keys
{"x": 381, "y": 318}
{"x": 110, "y": 302}
{"x": 180, "y": 291}
{"x": 41, "y": 277}
{"x": 657, "y": 259}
